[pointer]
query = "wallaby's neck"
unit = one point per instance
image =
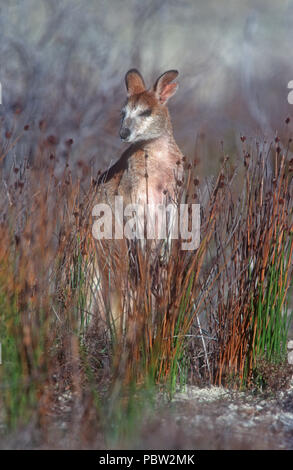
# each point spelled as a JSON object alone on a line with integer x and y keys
{"x": 164, "y": 139}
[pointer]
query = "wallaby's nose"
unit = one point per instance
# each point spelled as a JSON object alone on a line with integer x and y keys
{"x": 124, "y": 133}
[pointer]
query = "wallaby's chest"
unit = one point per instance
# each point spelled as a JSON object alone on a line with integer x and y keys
{"x": 150, "y": 176}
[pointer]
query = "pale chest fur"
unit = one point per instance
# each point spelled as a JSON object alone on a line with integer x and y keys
{"x": 152, "y": 174}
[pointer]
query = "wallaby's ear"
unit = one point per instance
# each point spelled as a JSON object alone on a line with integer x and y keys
{"x": 134, "y": 82}
{"x": 164, "y": 88}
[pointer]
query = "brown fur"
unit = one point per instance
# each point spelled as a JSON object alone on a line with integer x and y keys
{"x": 148, "y": 169}
{"x": 157, "y": 157}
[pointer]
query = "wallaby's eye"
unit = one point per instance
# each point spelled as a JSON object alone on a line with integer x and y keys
{"x": 146, "y": 113}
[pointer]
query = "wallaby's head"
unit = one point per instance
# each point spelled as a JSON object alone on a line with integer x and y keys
{"x": 145, "y": 115}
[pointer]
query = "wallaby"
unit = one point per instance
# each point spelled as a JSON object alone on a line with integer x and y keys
{"x": 149, "y": 167}
{"x": 148, "y": 171}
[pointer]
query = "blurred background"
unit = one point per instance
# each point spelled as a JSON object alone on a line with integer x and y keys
{"x": 63, "y": 63}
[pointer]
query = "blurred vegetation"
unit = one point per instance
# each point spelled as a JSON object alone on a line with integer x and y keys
{"x": 215, "y": 315}
{"x": 64, "y": 62}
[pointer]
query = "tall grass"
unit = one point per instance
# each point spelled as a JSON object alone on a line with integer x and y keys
{"x": 206, "y": 316}
{"x": 252, "y": 293}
